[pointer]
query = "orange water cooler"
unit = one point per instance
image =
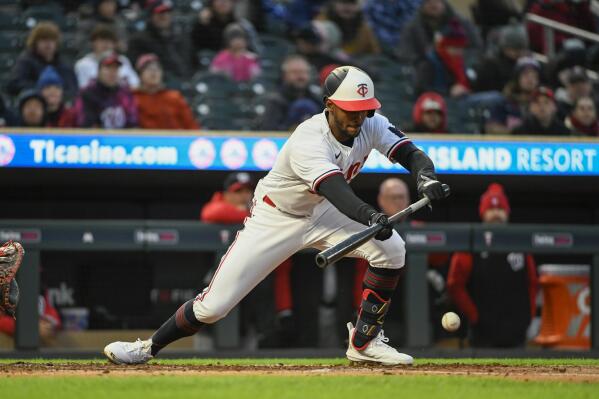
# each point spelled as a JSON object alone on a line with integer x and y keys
{"x": 566, "y": 314}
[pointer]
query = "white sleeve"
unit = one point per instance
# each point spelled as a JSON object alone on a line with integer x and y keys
{"x": 312, "y": 162}
{"x": 387, "y": 138}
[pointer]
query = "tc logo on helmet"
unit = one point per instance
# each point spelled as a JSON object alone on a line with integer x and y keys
{"x": 362, "y": 89}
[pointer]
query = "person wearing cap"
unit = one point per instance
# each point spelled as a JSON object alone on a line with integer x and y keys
{"x": 357, "y": 36}
{"x": 443, "y": 70}
{"x": 235, "y": 60}
{"x": 103, "y": 38}
{"x": 31, "y": 109}
{"x": 305, "y": 201}
{"x": 494, "y": 71}
{"x": 106, "y": 103}
{"x": 42, "y": 49}
{"x": 577, "y": 85}
{"x": 50, "y": 86}
{"x": 542, "y": 118}
{"x": 161, "y": 38}
{"x": 209, "y": 27}
{"x": 582, "y": 120}
{"x": 294, "y": 92}
{"x": 429, "y": 114}
{"x": 495, "y": 291}
{"x": 158, "y": 106}
{"x": 419, "y": 35}
{"x": 507, "y": 110}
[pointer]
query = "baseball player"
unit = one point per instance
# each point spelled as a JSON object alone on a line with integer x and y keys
{"x": 306, "y": 201}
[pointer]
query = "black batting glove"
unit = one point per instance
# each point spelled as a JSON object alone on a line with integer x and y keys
{"x": 382, "y": 219}
{"x": 430, "y": 187}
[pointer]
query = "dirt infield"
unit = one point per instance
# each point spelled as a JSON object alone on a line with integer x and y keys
{"x": 588, "y": 374}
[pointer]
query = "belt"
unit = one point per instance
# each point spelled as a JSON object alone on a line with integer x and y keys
{"x": 270, "y": 202}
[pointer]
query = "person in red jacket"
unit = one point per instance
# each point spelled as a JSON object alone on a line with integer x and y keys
{"x": 232, "y": 206}
{"x": 495, "y": 291}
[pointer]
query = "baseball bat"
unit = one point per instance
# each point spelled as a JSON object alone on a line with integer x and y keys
{"x": 338, "y": 251}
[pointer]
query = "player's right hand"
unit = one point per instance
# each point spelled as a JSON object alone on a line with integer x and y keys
{"x": 382, "y": 219}
{"x": 430, "y": 187}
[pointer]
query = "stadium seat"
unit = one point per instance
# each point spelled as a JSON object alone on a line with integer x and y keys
{"x": 275, "y": 47}
{"x": 12, "y": 42}
{"x": 46, "y": 12}
{"x": 213, "y": 85}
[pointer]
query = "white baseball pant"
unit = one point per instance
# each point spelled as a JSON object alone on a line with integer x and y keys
{"x": 270, "y": 236}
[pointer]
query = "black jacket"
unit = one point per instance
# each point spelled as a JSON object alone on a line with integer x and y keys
{"x": 493, "y": 72}
{"x": 28, "y": 68}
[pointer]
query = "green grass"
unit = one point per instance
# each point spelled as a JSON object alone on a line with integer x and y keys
{"x": 276, "y": 387}
{"x": 303, "y": 386}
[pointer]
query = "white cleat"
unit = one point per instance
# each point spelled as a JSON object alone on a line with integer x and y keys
{"x": 138, "y": 352}
{"x": 377, "y": 351}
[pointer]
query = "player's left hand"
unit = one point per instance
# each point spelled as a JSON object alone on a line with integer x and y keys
{"x": 382, "y": 219}
{"x": 430, "y": 187}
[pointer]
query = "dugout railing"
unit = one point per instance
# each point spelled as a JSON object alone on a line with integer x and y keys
{"x": 145, "y": 235}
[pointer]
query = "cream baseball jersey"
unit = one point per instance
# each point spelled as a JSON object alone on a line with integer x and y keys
{"x": 312, "y": 154}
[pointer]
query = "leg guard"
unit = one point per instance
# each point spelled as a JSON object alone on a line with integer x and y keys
{"x": 371, "y": 318}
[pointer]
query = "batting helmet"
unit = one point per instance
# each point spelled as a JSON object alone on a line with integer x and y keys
{"x": 351, "y": 89}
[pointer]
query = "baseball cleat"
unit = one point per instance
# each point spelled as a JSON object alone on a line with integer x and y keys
{"x": 377, "y": 351}
{"x": 138, "y": 352}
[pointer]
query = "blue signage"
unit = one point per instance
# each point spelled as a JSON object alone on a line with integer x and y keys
{"x": 258, "y": 153}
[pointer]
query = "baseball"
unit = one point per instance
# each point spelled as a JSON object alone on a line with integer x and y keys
{"x": 450, "y": 321}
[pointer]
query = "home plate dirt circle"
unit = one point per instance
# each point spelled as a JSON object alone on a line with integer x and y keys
{"x": 570, "y": 373}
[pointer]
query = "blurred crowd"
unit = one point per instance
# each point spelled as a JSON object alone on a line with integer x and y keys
{"x": 258, "y": 64}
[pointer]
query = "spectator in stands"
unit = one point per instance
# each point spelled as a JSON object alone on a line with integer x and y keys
{"x": 208, "y": 30}
{"x": 235, "y": 61}
{"x": 419, "y": 35}
{"x": 575, "y": 13}
{"x": 387, "y": 18}
{"x": 106, "y": 103}
{"x": 42, "y": 50}
{"x": 50, "y": 86}
{"x": 49, "y": 321}
{"x": 295, "y": 87}
{"x": 357, "y": 36}
{"x": 105, "y": 12}
{"x": 103, "y": 39}
{"x": 542, "y": 116}
{"x": 507, "y": 111}
{"x": 582, "y": 120}
{"x": 160, "y": 38}
{"x": 32, "y": 109}
{"x": 577, "y": 85}
{"x": 429, "y": 114}
{"x": 443, "y": 69}
{"x": 159, "y": 107}
{"x": 495, "y": 291}
{"x": 309, "y": 43}
{"x": 495, "y": 70}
